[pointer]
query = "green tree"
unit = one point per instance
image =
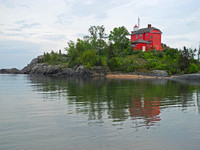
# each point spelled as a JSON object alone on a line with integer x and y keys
{"x": 193, "y": 68}
{"x": 187, "y": 56}
{"x": 89, "y": 57}
{"x": 97, "y": 38}
{"x": 83, "y": 45}
{"x": 119, "y": 37}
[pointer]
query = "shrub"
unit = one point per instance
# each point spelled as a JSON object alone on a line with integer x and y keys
{"x": 193, "y": 68}
{"x": 151, "y": 63}
{"x": 74, "y": 58}
{"x": 103, "y": 61}
{"x": 89, "y": 56}
{"x": 88, "y": 66}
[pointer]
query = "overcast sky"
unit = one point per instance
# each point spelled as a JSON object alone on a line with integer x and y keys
{"x": 30, "y": 27}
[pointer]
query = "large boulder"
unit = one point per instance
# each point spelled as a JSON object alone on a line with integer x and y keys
{"x": 100, "y": 71}
{"x": 10, "y": 71}
{"x": 34, "y": 62}
{"x": 44, "y": 69}
{"x": 81, "y": 71}
{"x": 66, "y": 72}
{"x": 159, "y": 73}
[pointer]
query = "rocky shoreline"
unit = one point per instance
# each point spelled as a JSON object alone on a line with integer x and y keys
{"x": 36, "y": 68}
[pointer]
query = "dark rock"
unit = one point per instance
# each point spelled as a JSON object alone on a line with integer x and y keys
{"x": 66, "y": 72}
{"x": 81, "y": 71}
{"x": 100, "y": 71}
{"x": 10, "y": 71}
{"x": 187, "y": 77}
{"x": 28, "y": 68}
{"x": 159, "y": 73}
{"x": 44, "y": 69}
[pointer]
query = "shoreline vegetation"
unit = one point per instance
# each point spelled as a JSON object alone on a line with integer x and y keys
{"x": 112, "y": 56}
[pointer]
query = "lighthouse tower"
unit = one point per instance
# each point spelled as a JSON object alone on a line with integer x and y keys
{"x": 135, "y": 28}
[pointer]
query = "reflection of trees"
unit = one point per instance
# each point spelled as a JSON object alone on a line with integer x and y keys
{"x": 198, "y": 101}
{"x": 117, "y": 100}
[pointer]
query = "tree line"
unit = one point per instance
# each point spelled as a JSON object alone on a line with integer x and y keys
{"x": 114, "y": 52}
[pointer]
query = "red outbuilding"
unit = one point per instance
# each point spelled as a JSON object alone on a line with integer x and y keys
{"x": 146, "y": 38}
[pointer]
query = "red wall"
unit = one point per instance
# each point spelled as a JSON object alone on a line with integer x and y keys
{"x": 154, "y": 36}
{"x": 140, "y": 45}
{"x": 157, "y": 41}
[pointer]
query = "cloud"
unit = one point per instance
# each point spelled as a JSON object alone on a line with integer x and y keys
{"x": 13, "y": 3}
{"x": 17, "y": 53}
{"x": 24, "y": 24}
{"x": 55, "y": 37}
{"x": 28, "y": 25}
{"x": 21, "y": 21}
{"x": 80, "y": 35}
{"x": 14, "y": 47}
{"x": 64, "y": 18}
{"x": 49, "y": 24}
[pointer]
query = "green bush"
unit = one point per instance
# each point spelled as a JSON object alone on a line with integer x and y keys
{"x": 90, "y": 57}
{"x": 193, "y": 68}
{"x": 151, "y": 63}
{"x": 74, "y": 58}
{"x": 113, "y": 64}
{"x": 103, "y": 61}
{"x": 88, "y": 66}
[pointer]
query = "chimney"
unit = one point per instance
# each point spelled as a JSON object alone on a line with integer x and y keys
{"x": 149, "y": 25}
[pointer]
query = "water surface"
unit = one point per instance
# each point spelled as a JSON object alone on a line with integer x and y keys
{"x": 38, "y": 112}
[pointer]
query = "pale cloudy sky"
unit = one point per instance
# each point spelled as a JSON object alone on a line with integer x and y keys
{"x": 30, "y": 27}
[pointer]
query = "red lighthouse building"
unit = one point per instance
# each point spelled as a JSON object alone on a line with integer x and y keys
{"x": 146, "y": 38}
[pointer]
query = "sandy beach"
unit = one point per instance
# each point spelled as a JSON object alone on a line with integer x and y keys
{"x": 126, "y": 76}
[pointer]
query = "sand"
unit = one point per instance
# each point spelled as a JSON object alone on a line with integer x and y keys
{"x": 125, "y": 76}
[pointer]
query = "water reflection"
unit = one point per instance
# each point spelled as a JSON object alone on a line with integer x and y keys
{"x": 147, "y": 109}
{"x": 118, "y": 100}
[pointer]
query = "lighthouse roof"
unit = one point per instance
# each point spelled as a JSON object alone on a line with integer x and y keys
{"x": 145, "y": 30}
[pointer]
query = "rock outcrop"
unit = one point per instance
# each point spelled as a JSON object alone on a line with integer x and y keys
{"x": 57, "y": 70}
{"x": 27, "y": 69}
{"x": 37, "y": 68}
{"x": 159, "y": 73}
{"x": 187, "y": 77}
{"x": 10, "y": 71}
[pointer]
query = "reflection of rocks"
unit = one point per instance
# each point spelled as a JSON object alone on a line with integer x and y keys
{"x": 10, "y": 71}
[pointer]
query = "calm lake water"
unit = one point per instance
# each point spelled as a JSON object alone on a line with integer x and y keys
{"x": 39, "y": 112}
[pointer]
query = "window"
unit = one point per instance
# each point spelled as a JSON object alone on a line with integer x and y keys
{"x": 136, "y": 36}
{"x": 140, "y": 35}
{"x": 151, "y": 36}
